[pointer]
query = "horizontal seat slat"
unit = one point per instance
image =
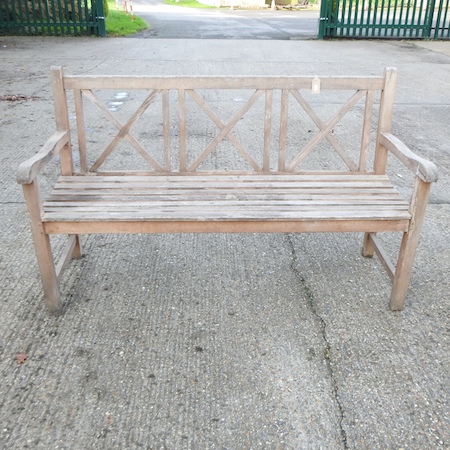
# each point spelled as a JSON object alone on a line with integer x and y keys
{"x": 86, "y": 195}
{"x": 183, "y": 177}
{"x": 170, "y": 196}
{"x": 273, "y": 203}
{"x": 228, "y": 214}
{"x": 156, "y": 182}
{"x": 225, "y": 198}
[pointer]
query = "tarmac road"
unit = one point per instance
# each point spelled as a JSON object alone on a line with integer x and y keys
{"x": 174, "y": 22}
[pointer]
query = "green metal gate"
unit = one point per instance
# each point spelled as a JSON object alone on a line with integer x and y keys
{"x": 52, "y": 17}
{"x": 401, "y": 19}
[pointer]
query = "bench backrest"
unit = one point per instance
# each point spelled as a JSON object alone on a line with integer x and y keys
{"x": 157, "y": 125}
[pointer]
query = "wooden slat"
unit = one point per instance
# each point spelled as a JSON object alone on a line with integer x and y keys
{"x": 229, "y": 82}
{"x": 216, "y": 192}
{"x": 366, "y": 129}
{"x": 260, "y": 195}
{"x": 385, "y": 118}
{"x": 221, "y": 216}
{"x": 222, "y": 194}
{"x": 285, "y": 226}
{"x": 79, "y": 113}
{"x": 212, "y": 202}
{"x": 222, "y": 176}
{"x": 166, "y": 129}
{"x": 182, "y": 129}
{"x": 283, "y": 130}
{"x": 267, "y": 130}
{"x": 62, "y": 118}
{"x": 225, "y": 182}
{"x": 209, "y": 173}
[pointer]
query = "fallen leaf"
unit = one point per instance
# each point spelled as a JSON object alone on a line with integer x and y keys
{"x": 21, "y": 358}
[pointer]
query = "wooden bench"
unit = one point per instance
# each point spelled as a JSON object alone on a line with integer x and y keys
{"x": 224, "y": 155}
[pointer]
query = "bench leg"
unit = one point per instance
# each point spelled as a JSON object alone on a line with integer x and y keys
{"x": 368, "y": 249}
{"x": 43, "y": 250}
{"x": 402, "y": 273}
{"x": 77, "y": 251}
{"x": 48, "y": 274}
{"x": 409, "y": 245}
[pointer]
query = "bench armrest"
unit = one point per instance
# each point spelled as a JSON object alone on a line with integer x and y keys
{"x": 423, "y": 168}
{"x": 29, "y": 169}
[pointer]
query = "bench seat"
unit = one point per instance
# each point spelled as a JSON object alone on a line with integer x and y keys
{"x": 183, "y": 203}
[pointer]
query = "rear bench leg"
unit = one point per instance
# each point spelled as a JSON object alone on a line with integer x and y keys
{"x": 77, "y": 250}
{"x": 409, "y": 244}
{"x": 43, "y": 250}
{"x": 368, "y": 249}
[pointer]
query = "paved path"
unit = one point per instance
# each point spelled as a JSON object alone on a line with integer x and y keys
{"x": 224, "y": 341}
{"x": 174, "y": 22}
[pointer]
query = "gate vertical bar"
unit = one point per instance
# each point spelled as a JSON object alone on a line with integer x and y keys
{"x": 355, "y": 18}
{"x": 323, "y": 19}
{"x": 429, "y": 18}
{"x": 419, "y": 19}
{"x": 98, "y": 14}
{"x": 438, "y": 27}
{"x": 41, "y": 15}
{"x": 444, "y": 21}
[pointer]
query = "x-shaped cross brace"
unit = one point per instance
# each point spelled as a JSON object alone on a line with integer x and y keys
{"x": 225, "y": 129}
{"x": 324, "y": 130}
{"x": 124, "y": 130}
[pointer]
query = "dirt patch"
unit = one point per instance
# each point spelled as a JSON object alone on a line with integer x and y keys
{"x": 18, "y": 98}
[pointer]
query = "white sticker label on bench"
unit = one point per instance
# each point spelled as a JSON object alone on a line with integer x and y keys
{"x": 315, "y": 88}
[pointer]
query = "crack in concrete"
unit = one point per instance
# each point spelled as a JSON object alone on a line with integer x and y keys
{"x": 438, "y": 202}
{"x": 323, "y": 330}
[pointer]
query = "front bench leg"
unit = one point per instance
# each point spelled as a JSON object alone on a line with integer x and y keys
{"x": 409, "y": 244}
{"x": 43, "y": 250}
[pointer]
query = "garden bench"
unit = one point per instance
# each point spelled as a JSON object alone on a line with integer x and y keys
{"x": 224, "y": 155}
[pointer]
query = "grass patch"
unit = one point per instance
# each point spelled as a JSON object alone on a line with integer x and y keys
{"x": 187, "y": 4}
{"x": 118, "y": 23}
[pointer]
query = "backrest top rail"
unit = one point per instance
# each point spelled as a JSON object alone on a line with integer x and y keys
{"x": 223, "y": 82}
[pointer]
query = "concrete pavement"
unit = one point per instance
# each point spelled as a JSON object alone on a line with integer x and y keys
{"x": 224, "y": 341}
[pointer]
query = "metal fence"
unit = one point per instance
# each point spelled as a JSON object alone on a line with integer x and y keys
{"x": 401, "y": 19}
{"x": 52, "y": 17}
